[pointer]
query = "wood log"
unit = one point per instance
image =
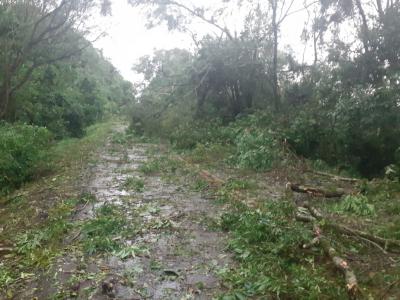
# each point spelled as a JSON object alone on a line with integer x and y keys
{"x": 314, "y": 191}
{"x": 342, "y": 265}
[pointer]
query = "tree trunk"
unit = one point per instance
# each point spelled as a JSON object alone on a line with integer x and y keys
{"x": 315, "y": 40}
{"x": 275, "y": 86}
{"x": 5, "y": 95}
{"x": 365, "y": 29}
{"x": 380, "y": 9}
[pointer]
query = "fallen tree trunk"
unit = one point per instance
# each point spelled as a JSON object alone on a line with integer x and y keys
{"x": 387, "y": 244}
{"x": 336, "y": 177}
{"x": 352, "y": 287}
{"x": 314, "y": 191}
{"x": 342, "y": 265}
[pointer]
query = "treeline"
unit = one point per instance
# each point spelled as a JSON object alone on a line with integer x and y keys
{"x": 342, "y": 109}
{"x": 53, "y": 82}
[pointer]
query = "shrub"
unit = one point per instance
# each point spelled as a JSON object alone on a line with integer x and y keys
{"x": 187, "y": 136}
{"x": 356, "y": 204}
{"x": 22, "y": 151}
{"x": 257, "y": 149}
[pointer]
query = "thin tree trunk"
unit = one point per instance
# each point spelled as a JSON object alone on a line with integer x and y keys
{"x": 275, "y": 87}
{"x": 4, "y": 99}
{"x": 380, "y": 9}
{"x": 315, "y": 40}
{"x": 365, "y": 29}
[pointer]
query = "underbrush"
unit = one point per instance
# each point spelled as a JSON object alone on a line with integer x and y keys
{"x": 247, "y": 143}
{"x": 267, "y": 244}
{"x": 257, "y": 149}
{"x": 40, "y": 245}
{"x": 23, "y": 151}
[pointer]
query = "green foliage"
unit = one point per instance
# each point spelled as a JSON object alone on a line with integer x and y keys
{"x": 51, "y": 76}
{"x": 266, "y": 244}
{"x": 239, "y": 184}
{"x": 150, "y": 167}
{"x": 120, "y": 138}
{"x": 257, "y": 149}
{"x": 200, "y": 185}
{"x": 356, "y": 204}
{"x": 50, "y": 100}
{"x": 23, "y": 149}
{"x": 99, "y": 233}
{"x": 188, "y": 136}
{"x": 343, "y": 110}
{"x": 39, "y": 246}
{"x": 157, "y": 165}
{"x": 6, "y": 276}
{"x": 133, "y": 183}
{"x": 131, "y": 252}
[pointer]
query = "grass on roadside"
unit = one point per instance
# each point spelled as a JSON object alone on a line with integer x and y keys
{"x": 37, "y": 217}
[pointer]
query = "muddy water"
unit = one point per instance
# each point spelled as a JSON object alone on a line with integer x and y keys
{"x": 183, "y": 253}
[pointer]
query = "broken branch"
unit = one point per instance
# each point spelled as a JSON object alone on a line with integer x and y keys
{"x": 314, "y": 191}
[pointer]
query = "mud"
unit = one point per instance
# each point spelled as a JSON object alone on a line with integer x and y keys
{"x": 184, "y": 254}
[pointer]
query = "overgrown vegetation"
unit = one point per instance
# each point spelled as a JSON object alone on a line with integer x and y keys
{"x": 267, "y": 244}
{"x": 341, "y": 109}
{"x": 52, "y": 79}
{"x": 239, "y": 104}
{"x": 23, "y": 152}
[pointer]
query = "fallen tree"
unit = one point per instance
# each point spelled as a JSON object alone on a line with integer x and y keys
{"x": 341, "y": 264}
{"x": 387, "y": 244}
{"x": 335, "y": 177}
{"x": 315, "y": 191}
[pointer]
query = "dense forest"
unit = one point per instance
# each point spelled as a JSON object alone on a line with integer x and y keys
{"x": 53, "y": 83}
{"x": 246, "y": 166}
{"x": 343, "y": 108}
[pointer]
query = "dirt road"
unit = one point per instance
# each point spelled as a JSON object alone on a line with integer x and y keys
{"x": 166, "y": 249}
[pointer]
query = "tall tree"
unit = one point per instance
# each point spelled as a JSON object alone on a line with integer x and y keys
{"x": 35, "y": 33}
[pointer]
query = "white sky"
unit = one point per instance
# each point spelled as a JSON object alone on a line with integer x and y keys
{"x": 128, "y": 39}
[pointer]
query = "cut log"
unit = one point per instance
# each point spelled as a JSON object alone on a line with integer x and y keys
{"x": 342, "y": 265}
{"x": 314, "y": 191}
{"x": 352, "y": 287}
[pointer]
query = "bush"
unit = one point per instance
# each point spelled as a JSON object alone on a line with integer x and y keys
{"x": 187, "y": 136}
{"x": 22, "y": 150}
{"x": 257, "y": 149}
{"x": 356, "y": 204}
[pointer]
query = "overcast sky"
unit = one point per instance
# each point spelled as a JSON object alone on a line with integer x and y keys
{"x": 128, "y": 39}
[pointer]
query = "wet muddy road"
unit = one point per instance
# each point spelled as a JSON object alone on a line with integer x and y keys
{"x": 172, "y": 252}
